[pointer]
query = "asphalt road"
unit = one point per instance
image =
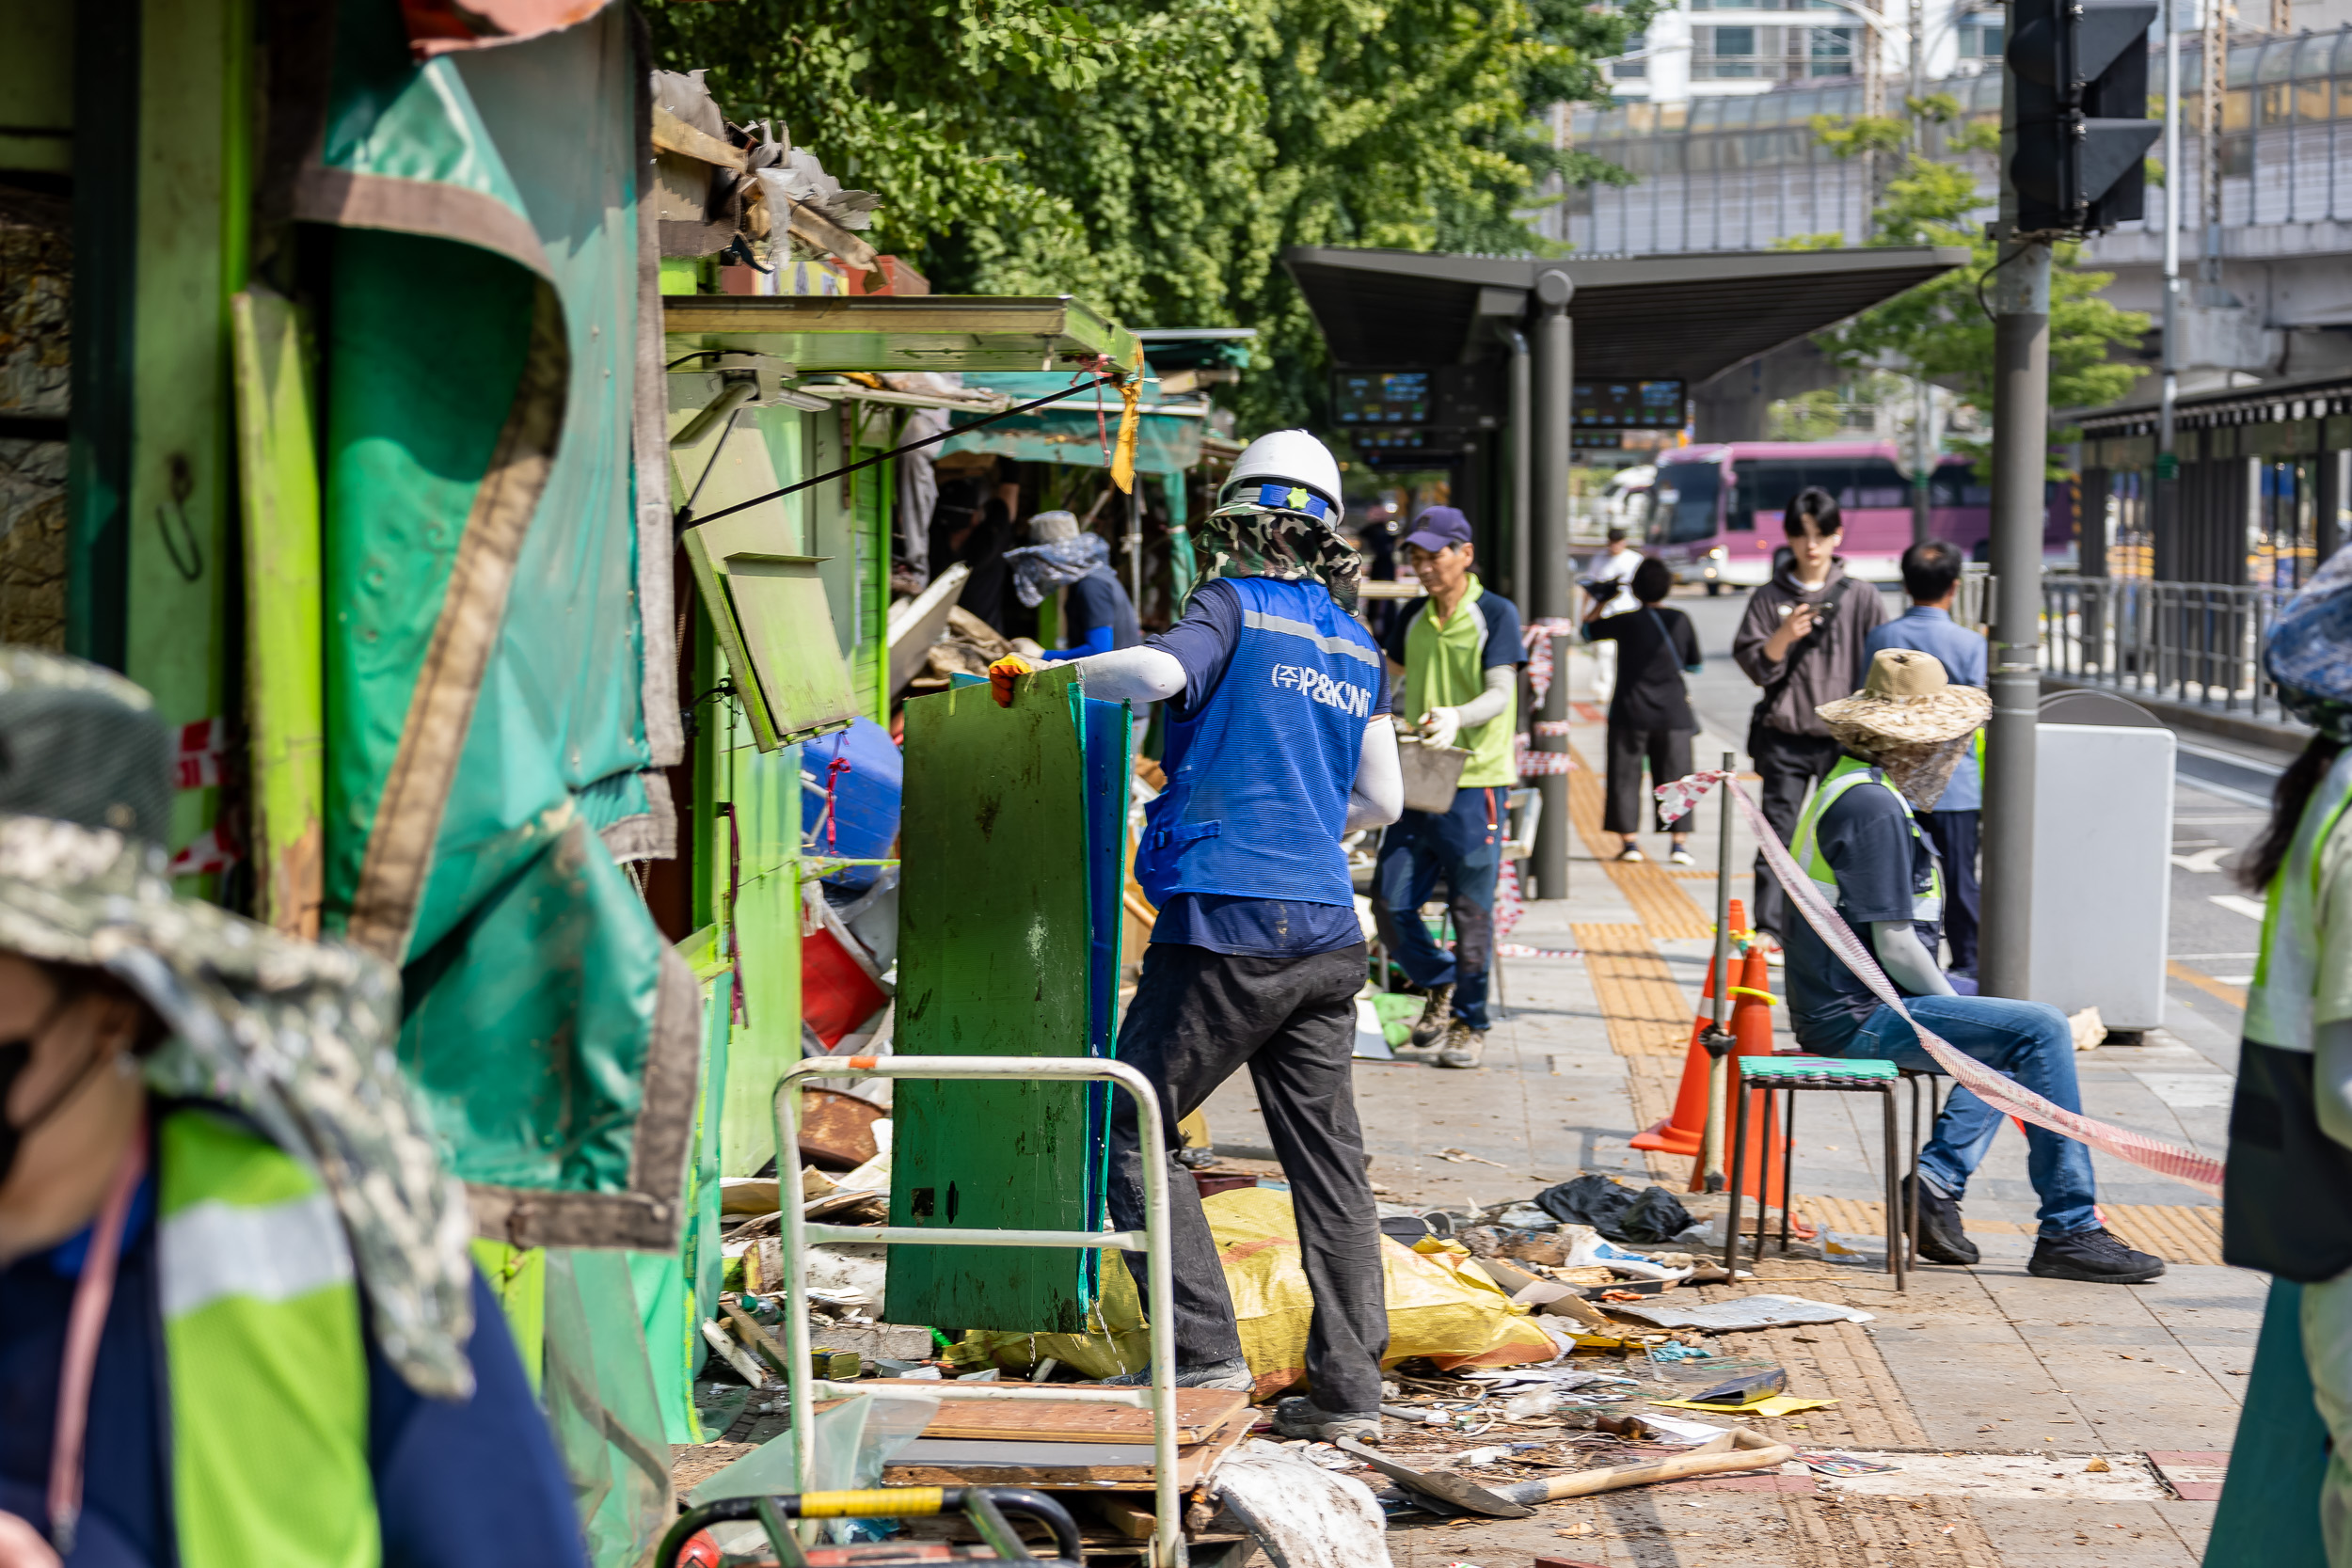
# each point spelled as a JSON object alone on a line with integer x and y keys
{"x": 2221, "y": 791}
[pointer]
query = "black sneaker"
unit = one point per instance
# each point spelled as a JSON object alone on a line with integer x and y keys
{"x": 1941, "y": 1238}
{"x": 2093, "y": 1255}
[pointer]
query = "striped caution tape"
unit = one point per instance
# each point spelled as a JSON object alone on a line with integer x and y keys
{"x": 2003, "y": 1093}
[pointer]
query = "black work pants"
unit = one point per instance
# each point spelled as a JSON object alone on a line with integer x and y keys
{"x": 1790, "y": 765}
{"x": 1197, "y": 1017}
{"x": 1954, "y": 835}
{"x": 1669, "y": 754}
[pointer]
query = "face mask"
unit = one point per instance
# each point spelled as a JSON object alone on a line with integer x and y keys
{"x": 15, "y": 1057}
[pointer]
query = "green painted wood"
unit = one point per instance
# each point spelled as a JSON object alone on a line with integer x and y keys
{"x": 284, "y": 586}
{"x": 763, "y": 794}
{"x": 193, "y": 129}
{"x": 993, "y": 961}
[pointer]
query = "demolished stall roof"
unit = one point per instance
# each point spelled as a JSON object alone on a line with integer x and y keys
{"x": 1691, "y": 315}
{"x": 886, "y": 332}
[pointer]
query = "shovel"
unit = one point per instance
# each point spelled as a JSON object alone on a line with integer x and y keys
{"x": 1459, "y": 1496}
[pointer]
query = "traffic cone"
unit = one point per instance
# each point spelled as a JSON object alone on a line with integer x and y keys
{"x": 1680, "y": 1134}
{"x": 1752, "y": 1032}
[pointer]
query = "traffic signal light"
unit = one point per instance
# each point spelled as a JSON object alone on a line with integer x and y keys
{"x": 2079, "y": 71}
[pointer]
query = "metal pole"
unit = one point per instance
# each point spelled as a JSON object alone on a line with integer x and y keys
{"x": 1548, "y": 579}
{"x": 1717, "y": 1038}
{"x": 2021, "y": 417}
{"x": 2164, "y": 491}
{"x": 1922, "y": 458}
{"x": 1134, "y": 547}
{"x": 1522, "y": 464}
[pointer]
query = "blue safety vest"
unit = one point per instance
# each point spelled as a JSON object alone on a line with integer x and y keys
{"x": 1258, "y": 777}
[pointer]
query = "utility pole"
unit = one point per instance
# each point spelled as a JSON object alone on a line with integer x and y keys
{"x": 1549, "y": 583}
{"x": 2167, "y": 483}
{"x": 2074, "y": 148}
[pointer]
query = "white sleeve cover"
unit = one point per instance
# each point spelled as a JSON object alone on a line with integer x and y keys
{"x": 1906, "y": 959}
{"x": 2331, "y": 1079}
{"x": 1490, "y": 704}
{"x": 1132, "y": 675}
{"x": 1377, "y": 797}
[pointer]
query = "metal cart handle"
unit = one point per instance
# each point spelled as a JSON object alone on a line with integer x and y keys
{"x": 983, "y": 1505}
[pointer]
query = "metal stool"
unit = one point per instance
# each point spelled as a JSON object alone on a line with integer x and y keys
{"x": 1773, "y": 1075}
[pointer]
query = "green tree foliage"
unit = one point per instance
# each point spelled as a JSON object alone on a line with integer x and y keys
{"x": 1941, "y": 329}
{"x": 1156, "y": 158}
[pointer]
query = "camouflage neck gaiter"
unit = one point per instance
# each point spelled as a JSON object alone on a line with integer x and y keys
{"x": 1247, "y": 541}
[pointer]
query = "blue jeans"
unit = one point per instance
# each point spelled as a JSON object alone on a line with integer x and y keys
{"x": 2030, "y": 1043}
{"x": 1465, "y": 846}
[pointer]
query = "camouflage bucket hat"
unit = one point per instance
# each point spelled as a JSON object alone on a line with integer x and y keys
{"x": 296, "y": 1036}
{"x": 2308, "y": 651}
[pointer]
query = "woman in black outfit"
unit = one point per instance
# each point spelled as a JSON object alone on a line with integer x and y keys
{"x": 1649, "y": 714}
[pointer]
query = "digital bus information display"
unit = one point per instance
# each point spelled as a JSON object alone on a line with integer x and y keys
{"x": 1629, "y": 404}
{"x": 1363, "y": 398}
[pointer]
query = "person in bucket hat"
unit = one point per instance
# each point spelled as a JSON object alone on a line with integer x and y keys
{"x": 1860, "y": 845}
{"x": 238, "y": 1321}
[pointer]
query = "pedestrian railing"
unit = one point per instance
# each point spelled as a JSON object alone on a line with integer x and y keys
{"x": 2196, "y": 642}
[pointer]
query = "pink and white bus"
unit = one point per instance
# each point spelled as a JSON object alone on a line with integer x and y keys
{"x": 1715, "y": 511}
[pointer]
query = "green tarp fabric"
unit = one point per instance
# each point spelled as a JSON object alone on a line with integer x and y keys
{"x": 1078, "y": 431}
{"x": 499, "y": 687}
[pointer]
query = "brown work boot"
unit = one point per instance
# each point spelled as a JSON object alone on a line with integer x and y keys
{"x": 1429, "y": 1030}
{"x": 1463, "y": 1046}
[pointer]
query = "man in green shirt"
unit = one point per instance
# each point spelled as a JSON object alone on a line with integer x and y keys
{"x": 1457, "y": 656}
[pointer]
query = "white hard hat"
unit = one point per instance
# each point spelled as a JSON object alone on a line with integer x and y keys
{"x": 1287, "y": 470}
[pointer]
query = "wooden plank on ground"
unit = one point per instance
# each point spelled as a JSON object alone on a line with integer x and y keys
{"x": 1646, "y": 1012}
{"x": 1192, "y": 1464}
{"x": 1199, "y": 1412}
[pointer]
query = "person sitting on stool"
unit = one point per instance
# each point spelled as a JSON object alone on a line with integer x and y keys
{"x": 1862, "y": 851}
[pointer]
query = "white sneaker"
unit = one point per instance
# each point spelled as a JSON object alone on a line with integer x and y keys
{"x": 1630, "y": 855}
{"x": 1682, "y": 857}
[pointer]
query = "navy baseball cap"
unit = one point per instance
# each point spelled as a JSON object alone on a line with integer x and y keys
{"x": 1438, "y": 527}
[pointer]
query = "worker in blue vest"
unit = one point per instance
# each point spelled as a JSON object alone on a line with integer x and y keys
{"x": 1278, "y": 744}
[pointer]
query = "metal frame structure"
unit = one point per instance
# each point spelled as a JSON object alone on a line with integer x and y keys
{"x": 1159, "y": 1397}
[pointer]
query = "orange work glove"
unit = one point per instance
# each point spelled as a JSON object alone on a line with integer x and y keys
{"x": 1002, "y": 674}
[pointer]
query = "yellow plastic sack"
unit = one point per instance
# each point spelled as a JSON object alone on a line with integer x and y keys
{"x": 1435, "y": 1307}
{"x": 1436, "y": 1310}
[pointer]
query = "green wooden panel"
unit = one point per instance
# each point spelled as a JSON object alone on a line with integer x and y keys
{"x": 763, "y": 792}
{"x": 284, "y": 583}
{"x": 993, "y": 959}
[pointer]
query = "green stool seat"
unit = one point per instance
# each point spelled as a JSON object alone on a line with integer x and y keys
{"x": 1817, "y": 1067}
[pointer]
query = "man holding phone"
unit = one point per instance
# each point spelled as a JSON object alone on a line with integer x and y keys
{"x": 1804, "y": 641}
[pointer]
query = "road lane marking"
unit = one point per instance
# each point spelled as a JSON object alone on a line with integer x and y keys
{"x": 2237, "y": 903}
{"x": 2234, "y": 995}
{"x": 2204, "y": 860}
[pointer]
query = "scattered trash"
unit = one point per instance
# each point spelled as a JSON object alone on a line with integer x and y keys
{"x": 1829, "y": 1462}
{"x": 1747, "y": 1389}
{"x": 1742, "y": 1313}
{"x": 1523, "y": 1216}
{"x": 1618, "y": 1213}
{"x": 2089, "y": 1029}
{"x": 1530, "y": 1407}
{"x": 1590, "y": 1250}
{"x": 2097, "y": 1466}
{"x": 1462, "y": 1157}
{"x": 1675, "y": 1349}
{"x": 1674, "y": 1430}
